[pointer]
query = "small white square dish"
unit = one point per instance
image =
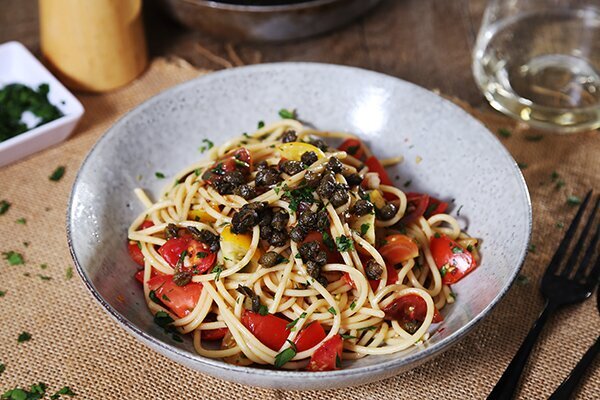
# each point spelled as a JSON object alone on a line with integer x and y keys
{"x": 18, "y": 65}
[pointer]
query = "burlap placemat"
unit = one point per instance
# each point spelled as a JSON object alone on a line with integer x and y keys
{"x": 75, "y": 343}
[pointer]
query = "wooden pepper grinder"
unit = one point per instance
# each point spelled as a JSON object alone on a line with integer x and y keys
{"x": 93, "y": 45}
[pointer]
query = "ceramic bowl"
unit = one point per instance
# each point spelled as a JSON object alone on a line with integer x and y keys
{"x": 446, "y": 153}
{"x": 267, "y": 23}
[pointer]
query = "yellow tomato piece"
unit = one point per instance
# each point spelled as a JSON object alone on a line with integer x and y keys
{"x": 202, "y": 215}
{"x": 294, "y": 150}
{"x": 377, "y": 198}
{"x": 235, "y": 246}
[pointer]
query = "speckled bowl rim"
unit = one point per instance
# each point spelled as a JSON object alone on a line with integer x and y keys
{"x": 409, "y": 361}
{"x": 308, "y": 4}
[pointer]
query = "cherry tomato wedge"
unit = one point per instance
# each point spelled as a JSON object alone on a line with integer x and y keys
{"x": 416, "y": 205}
{"x": 328, "y": 357}
{"x": 392, "y": 277}
{"x": 133, "y": 247}
{"x": 200, "y": 257}
{"x": 139, "y": 276}
{"x": 355, "y": 148}
{"x": 180, "y": 299}
{"x": 214, "y": 334}
{"x": 453, "y": 260}
{"x": 375, "y": 166}
{"x": 172, "y": 249}
{"x": 410, "y": 309}
{"x": 333, "y": 256}
{"x": 269, "y": 329}
{"x": 240, "y": 159}
{"x": 435, "y": 207}
{"x": 398, "y": 248}
{"x": 309, "y": 336}
{"x": 146, "y": 224}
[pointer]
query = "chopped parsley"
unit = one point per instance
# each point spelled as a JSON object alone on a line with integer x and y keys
{"x": 522, "y": 280}
{"x": 287, "y": 114}
{"x": 159, "y": 175}
{"x": 347, "y": 336}
{"x": 263, "y": 310}
{"x": 532, "y": 248}
{"x": 2, "y": 368}
{"x": 437, "y": 235}
{"x": 44, "y": 277}
{"x": 4, "y": 206}
{"x": 261, "y": 124}
{"x": 458, "y": 211}
{"x": 453, "y": 295}
{"x": 24, "y": 337}
{"x": 364, "y": 228}
{"x": 522, "y": 165}
{"x": 294, "y": 322}
{"x": 197, "y": 172}
{"x": 560, "y": 225}
{"x": 338, "y": 361}
{"x": 457, "y": 250}
{"x": 344, "y": 243}
{"x": 217, "y": 270}
{"x": 69, "y": 273}
{"x": 444, "y": 270}
{"x": 43, "y": 266}
{"x": 559, "y": 183}
{"x": 554, "y": 176}
{"x": 328, "y": 241}
{"x": 573, "y": 200}
{"x": 165, "y": 298}
{"x": 367, "y": 328}
{"x": 21, "y": 221}
{"x": 286, "y": 355}
{"x": 57, "y": 174}
{"x": 408, "y": 183}
{"x": 2, "y": 293}
{"x": 353, "y": 305}
{"x": 207, "y": 145}
{"x": 152, "y": 296}
{"x": 162, "y": 319}
{"x": 505, "y": 133}
{"x": 332, "y": 310}
{"x": 13, "y": 258}
{"x": 296, "y": 196}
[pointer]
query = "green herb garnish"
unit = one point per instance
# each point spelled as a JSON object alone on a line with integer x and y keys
{"x": 24, "y": 337}
{"x": 263, "y": 310}
{"x": 261, "y": 124}
{"x": 65, "y": 390}
{"x": 573, "y": 200}
{"x": 69, "y": 273}
{"x": 332, "y": 310}
{"x": 162, "y": 319}
{"x": 522, "y": 165}
{"x": 2, "y": 293}
{"x": 353, "y": 305}
{"x": 534, "y": 138}
{"x": 364, "y": 228}
{"x": 287, "y": 114}
{"x": 217, "y": 270}
{"x": 13, "y": 258}
{"x": 4, "y": 206}
{"x": 344, "y": 243}
{"x": 286, "y": 355}
{"x": 347, "y": 336}
{"x": 505, "y": 133}
{"x": 522, "y": 280}
{"x": 152, "y": 296}
{"x": 532, "y": 248}
{"x": 57, "y": 174}
{"x": 159, "y": 175}
{"x": 44, "y": 277}
{"x": 207, "y": 145}
{"x": 443, "y": 270}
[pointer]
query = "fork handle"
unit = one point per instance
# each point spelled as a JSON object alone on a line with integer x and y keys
{"x": 507, "y": 386}
{"x": 567, "y": 388}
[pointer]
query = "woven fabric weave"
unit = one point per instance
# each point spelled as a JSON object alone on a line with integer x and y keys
{"x": 75, "y": 343}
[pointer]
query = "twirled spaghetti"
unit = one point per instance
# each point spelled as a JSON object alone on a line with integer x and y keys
{"x": 281, "y": 250}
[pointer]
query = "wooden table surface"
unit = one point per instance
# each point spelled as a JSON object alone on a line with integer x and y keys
{"x": 428, "y": 42}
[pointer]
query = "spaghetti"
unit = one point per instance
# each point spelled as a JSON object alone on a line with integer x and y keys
{"x": 281, "y": 250}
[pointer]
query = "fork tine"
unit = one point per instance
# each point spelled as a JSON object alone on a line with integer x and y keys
{"x": 570, "y": 266}
{"x": 588, "y": 253}
{"x": 564, "y": 244}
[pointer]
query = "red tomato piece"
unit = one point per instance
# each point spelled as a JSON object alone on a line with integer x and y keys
{"x": 409, "y": 309}
{"x": 333, "y": 256}
{"x": 348, "y": 279}
{"x": 398, "y": 248}
{"x": 135, "y": 252}
{"x": 415, "y": 208}
{"x": 172, "y": 249}
{"x": 139, "y": 276}
{"x": 240, "y": 159}
{"x": 179, "y": 299}
{"x": 146, "y": 224}
{"x": 354, "y": 147}
{"x": 453, "y": 260}
{"x": 309, "y": 336}
{"x": 268, "y": 329}
{"x": 435, "y": 207}
{"x": 214, "y": 334}
{"x": 328, "y": 357}
{"x": 200, "y": 257}
{"x": 392, "y": 277}
{"x": 375, "y": 166}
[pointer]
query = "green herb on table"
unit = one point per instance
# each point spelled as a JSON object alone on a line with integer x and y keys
{"x": 522, "y": 280}
{"x": 2, "y": 293}
{"x": 44, "y": 277}
{"x": 554, "y": 176}
{"x": 43, "y": 266}
{"x": 4, "y": 206}
{"x": 522, "y": 166}
{"x": 407, "y": 183}
{"x": 21, "y": 221}
{"x": 2, "y": 368}
{"x": 24, "y": 337}
{"x": 287, "y": 114}
{"x": 13, "y": 258}
{"x": 57, "y": 174}
{"x": 159, "y": 175}
{"x": 534, "y": 138}
{"x": 532, "y": 248}
{"x": 573, "y": 200}
{"x": 65, "y": 390}
{"x": 505, "y": 133}
{"x": 69, "y": 273}
{"x": 559, "y": 183}
{"x": 560, "y": 225}
{"x": 15, "y": 99}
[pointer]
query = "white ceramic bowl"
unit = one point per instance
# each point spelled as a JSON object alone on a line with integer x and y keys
{"x": 18, "y": 65}
{"x": 460, "y": 160}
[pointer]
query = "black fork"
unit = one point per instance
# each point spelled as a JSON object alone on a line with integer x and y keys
{"x": 561, "y": 286}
